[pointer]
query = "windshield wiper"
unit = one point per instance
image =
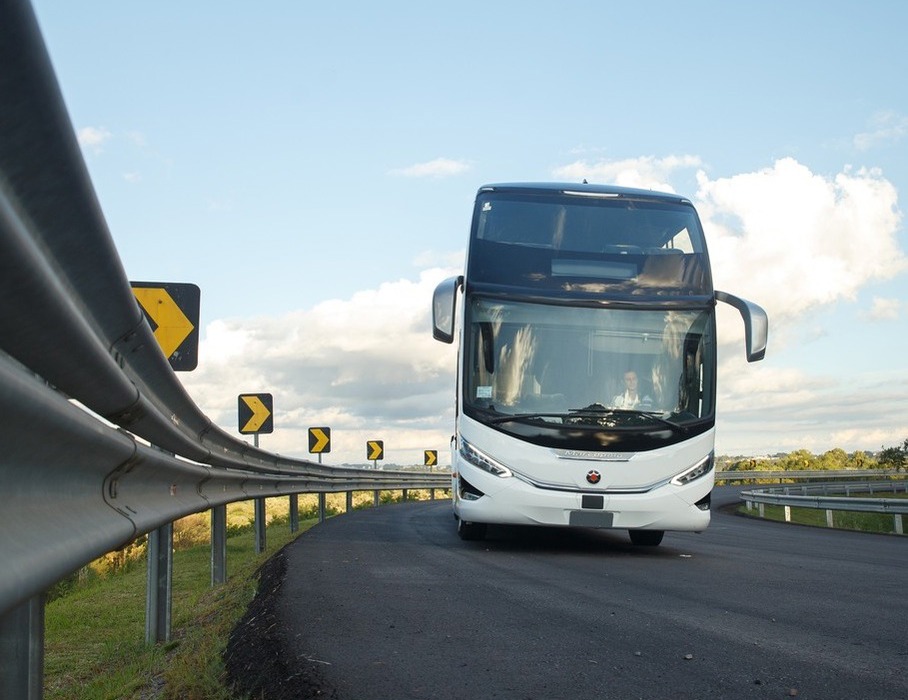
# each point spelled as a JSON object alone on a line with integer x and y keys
{"x": 597, "y": 410}
{"x": 524, "y": 416}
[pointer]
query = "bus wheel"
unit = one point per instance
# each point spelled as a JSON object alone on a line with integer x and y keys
{"x": 470, "y": 531}
{"x": 646, "y": 538}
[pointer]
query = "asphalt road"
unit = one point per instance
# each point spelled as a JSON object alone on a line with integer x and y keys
{"x": 390, "y": 603}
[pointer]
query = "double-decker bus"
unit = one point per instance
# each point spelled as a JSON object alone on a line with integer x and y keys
{"x": 586, "y": 365}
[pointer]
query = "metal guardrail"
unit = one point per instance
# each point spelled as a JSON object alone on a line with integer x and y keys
{"x": 762, "y": 475}
{"x": 68, "y": 316}
{"x": 818, "y": 496}
{"x": 84, "y": 385}
{"x": 81, "y": 377}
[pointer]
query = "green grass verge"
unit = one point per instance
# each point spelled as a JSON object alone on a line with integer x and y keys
{"x": 95, "y": 624}
{"x": 95, "y": 636}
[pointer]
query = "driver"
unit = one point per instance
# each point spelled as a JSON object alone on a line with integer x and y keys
{"x": 630, "y": 398}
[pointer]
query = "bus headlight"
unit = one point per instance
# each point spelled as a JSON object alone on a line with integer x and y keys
{"x": 701, "y": 468}
{"x": 483, "y": 461}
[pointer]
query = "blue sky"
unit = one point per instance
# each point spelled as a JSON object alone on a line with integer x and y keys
{"x": 311, "y": 167}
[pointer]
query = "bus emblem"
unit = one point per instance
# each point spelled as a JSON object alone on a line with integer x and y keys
{"x": 593, "y": 476}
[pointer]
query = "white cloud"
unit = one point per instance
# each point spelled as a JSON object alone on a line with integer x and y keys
{"x": 799, "y": 411}
{"x": 440, "y": 167}
{"x": 93, "y": 137}
{"x": 366, "y": 366}
{"x": 792, "y": 240}
{"x": 886, "y": 128}
{"x": 785, "y": 237}
{"x": 647, "y": 172}
{"x": 884, "y": 309}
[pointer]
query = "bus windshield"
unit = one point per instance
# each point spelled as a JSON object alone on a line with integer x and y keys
{"x": 557, "y": 365}
{"x": 571, "y": 245}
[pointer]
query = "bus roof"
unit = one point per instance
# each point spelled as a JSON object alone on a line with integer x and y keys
{"x": 584, "y": 189}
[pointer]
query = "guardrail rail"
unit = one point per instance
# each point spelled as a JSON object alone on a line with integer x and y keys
{"x": 101, "y": 441}
{"x": 819, "y": 496}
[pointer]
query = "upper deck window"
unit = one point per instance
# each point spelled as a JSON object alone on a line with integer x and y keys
{"x": 564, "y": 244}
{"x": 589, "y": 225}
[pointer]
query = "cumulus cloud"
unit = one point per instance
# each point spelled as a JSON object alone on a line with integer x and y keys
{"x": 647, "y": 172}
{"x": 885, "y": 128}
{"x": 93, "y": 137}
{"x": 792, "y": 240}
{"x": 440, "y": 167}
{"x": 816, "y": 413}
{"x": 361, "y": 366}
{"x": 789, "y": 239}
{"x": 884, "y": 309}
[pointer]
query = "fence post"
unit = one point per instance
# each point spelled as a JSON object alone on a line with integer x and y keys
{"x": 294, "y": 512}
{"x": 159, "y": 582}
{"x": 218, "y": 545}
{"x": 259, "y": 524}
{"x": 22, "y": 650}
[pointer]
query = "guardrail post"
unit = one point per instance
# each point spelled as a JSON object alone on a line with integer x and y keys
{"x": 218, "y": 545}
{"x": 829, "y": 518}
{"x": 295, "y": 512}
{"x": 22, "y": 650}
{"x": 431, "y": 494}
{"x": 259, "y": 525}
{"x": 375, "y": 498}
{"x": 761, "y": 509}
{"x": 321, "y": 507}
{"x": 405, "y": 493}
{"x": 349, "y": 501}
{"x": 159, "y": 584}
{"x": 899, "y": 527}
{"x": 787, "y": 514}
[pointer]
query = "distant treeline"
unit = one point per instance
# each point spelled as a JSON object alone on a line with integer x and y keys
{"x": 887, "y": 458}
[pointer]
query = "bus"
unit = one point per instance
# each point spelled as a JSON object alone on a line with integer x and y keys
{"x": 586, "y": 363}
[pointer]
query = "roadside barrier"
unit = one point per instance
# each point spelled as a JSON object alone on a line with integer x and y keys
{"x": 820, "y": 496}
{"x": 101, "y": 443}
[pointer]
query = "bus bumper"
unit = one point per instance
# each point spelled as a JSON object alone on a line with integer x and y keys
{"x": 513, "y": 501}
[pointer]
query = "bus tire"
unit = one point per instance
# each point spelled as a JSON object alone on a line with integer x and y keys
{"x": 470, "y": 531}
{"x": 646, "y": 538}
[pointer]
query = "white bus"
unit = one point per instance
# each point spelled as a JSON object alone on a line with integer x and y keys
{"x": 586, "y": 370}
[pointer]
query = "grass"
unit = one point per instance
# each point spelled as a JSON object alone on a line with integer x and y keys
{"x": 95, "y": 625}
{"x": 842, "y": 519}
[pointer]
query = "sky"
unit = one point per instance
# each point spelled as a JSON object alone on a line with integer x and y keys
{"x": 311, "y": 167}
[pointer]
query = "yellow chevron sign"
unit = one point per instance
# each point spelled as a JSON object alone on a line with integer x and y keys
{"x": 375, "y": 449}
{"x": 256, "y": 413}
{"x": 431, "y": 458}
{"x": 319, "y": 440}
{"x": 173, "y": 312}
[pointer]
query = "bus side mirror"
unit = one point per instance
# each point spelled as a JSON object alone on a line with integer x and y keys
{"x": 444, "y": 304}
{"x": 756, "y": 325}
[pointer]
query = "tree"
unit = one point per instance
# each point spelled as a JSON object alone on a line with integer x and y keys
{"x": 833, "y": 459}
{"x": 895, "y": 457}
